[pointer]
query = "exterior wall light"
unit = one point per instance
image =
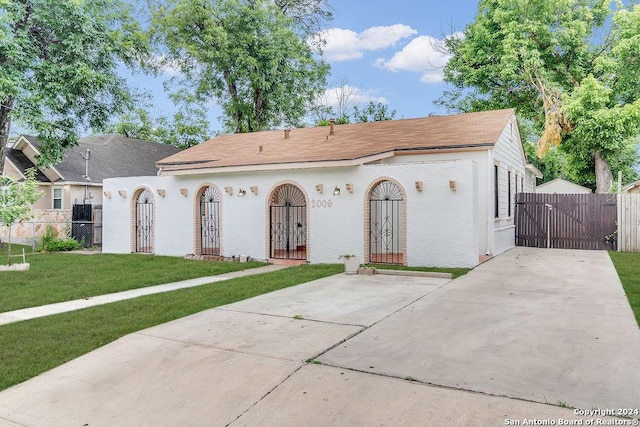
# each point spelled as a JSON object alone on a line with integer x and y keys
{"x": 349, "y": 187}
{"x": 162, "y": 192}
{"x": 228, "y": 190}
{"x": 452, "y": 185}
{"x": 254, "y": 190}
{"x": 419, "y": 185}
{"x": 122, "y": 193}
{"x": 107, "y": 194}
{"x": 319, "y": 188}
{"x": 336, "y": 192}
{"x": 184, "y": 192}
{"x": 241, "y": 193}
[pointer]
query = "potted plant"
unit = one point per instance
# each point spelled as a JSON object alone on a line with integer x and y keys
{"x": 351, "y": 263}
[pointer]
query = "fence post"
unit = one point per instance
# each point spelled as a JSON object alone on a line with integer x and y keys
{"x": 548, "y": 224}
{"x": 619, "y": 213}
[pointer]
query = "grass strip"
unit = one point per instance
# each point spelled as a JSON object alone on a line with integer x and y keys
{"x": 32, "y": 347}
{"x": 59, "y": 277}
{"x": 628, "y": 267}
{"x": 455, "y": 272}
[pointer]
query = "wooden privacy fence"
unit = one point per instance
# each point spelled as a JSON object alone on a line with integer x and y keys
{"x": 566, "y": 221}
{"x": 629, "y": 222}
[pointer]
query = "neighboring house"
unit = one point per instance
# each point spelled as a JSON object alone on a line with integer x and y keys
{"x": 633, "y": 188}
{"x": 561, "y": 186}
{"x": 76, "y": 180}
{"x": 435, "y": 191}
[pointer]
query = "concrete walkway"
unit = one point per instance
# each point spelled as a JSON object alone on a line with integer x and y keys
{"x": 513, "y": 341}
{"x": 63, "y": 307}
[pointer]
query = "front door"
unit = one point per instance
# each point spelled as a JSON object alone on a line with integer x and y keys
{"x": 144, "y": 222}
{"x": 288, "y": 223}
{"x": 386, "y": 234}
{"x": 210, "y": 222}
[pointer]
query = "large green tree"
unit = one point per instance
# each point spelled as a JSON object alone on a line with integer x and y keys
{"x": 186, "y": 127}
{"x": 536, "y": 56}
{"x": 247, "y": 54}
{"x": 58, "y": 67}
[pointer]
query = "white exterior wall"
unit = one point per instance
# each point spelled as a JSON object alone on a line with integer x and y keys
{"x": 441, "y": 225}
{"x": 509, "y": 155}
{"x": 483, "y": 190}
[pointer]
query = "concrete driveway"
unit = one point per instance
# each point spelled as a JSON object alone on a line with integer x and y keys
{"x": 519, "y": 335}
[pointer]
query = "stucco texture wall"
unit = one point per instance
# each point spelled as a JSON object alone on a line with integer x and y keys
{"x": 442, "y": 226}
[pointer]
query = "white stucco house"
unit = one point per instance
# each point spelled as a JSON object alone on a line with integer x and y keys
{"x": 561, "y": 186}
{"x": 434, "y": 191}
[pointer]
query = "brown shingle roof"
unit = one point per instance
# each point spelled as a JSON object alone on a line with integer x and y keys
{"x": 350, "y": 142}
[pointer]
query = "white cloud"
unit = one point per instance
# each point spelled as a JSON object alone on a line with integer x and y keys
{"x": 420, "y": 55}
{"x": 345, "y": 45}
{"x": 356, "y": 95}
{"x": 168, "y": 67}
{"x": 375, "y": 38}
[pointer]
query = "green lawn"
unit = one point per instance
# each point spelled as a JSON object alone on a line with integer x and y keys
{"x": 31, "y": 347}
{"x": 628, "y": 266}
{"x": 57, "y": 277}
{"x": 456, "y": 272}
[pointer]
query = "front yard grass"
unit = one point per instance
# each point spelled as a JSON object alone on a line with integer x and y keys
{"x": 31, "y": 347}
{"x": 628, "y": 267}
{"x": 455, "y": 272}
{"x": 58, "y": 277}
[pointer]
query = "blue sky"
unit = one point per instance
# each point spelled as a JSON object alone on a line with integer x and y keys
{"x": 382, "y": 49}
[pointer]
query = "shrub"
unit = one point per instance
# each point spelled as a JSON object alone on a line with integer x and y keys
{"x": 51, "y": 243}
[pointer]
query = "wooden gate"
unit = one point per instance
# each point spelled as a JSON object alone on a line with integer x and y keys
{"x": 566, "y": 221}
{"x": 629, "y": 223}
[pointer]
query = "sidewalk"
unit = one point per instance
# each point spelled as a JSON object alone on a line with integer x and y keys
{"x": 63, "y": 307}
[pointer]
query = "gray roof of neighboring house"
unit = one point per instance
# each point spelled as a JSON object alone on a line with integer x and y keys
{"x": 23, "y": 163}
{"x": 112, "y": 156}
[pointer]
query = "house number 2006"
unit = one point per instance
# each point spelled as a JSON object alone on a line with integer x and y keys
{"x": 321, "y": 203}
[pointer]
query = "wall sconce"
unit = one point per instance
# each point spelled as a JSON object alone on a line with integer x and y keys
{"x": 452, "y": 185}
{"x": 107, "y": 194}
{"x": 319, "y": 188}
{"x": 419, "y": 185}
{"x": 228, "y": 190}
{"x": 123, "y": 193}
{"x": 162, "y": 193}
{"x": 254, "y": 190}
{"x": 184, "y": 192}
{"x": 241, "y": 193}
{"x": 349, "y": 187}
{"x": 336, "y": 191}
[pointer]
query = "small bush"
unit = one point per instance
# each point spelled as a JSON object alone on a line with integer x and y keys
{"x": 51, "y": 243}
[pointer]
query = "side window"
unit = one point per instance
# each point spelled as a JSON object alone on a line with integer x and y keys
{"x": 496, "y": 191}
{"x": 509, "y": 193}
{"x": 57, "y": 198}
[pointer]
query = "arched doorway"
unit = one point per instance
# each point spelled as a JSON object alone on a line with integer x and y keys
{"x": 386, "y": 224}
{"x": 144, "y": 221}
{"x": 288, "y": 223}
{"x": 209, "y": 215}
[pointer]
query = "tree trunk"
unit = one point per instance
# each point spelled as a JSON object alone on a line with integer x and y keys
{"x": 604, "y": 177}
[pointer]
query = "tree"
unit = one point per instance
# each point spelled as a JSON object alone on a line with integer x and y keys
{"x": 373, "y": 112}
{"x": 335, "y": 103}
{"x": 531, "y": 55}
{"x": 246, "y": 54}
{"x": 58, "y": 67}
{"x": 16, "y": 199}
{"x": 185, "y": 128}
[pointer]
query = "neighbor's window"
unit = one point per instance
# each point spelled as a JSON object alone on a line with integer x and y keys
{"x": 57, "y": 198}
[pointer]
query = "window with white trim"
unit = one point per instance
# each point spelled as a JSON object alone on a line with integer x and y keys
{"x": 57, "y": 198}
